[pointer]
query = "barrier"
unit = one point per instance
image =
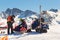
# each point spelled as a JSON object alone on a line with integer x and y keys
{"x": 4, "y": 38}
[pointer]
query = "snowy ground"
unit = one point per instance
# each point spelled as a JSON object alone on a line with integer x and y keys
{"x": 52, "y": 34}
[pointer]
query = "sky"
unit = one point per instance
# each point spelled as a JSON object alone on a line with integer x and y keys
{"x": 29, "y": 4}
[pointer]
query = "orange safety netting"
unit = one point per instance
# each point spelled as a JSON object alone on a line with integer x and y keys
{"x": 4, "y": 38}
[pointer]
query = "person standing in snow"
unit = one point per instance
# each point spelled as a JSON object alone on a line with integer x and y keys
{"x": 10, "y": 21}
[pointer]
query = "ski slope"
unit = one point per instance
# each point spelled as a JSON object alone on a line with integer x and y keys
{"x": 52, "y": 34}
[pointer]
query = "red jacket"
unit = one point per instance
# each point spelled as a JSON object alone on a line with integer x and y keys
{"x": 9, "y": 18}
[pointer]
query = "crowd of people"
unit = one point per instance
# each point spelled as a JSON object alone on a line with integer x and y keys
{"x": 39, "y": 25}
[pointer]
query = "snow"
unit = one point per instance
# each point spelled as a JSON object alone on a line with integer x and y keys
{"x": 52, "y": 34}
{"x": 3, "y": 22}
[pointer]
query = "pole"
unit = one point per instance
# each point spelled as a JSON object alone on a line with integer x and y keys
{"x": 11, "y": 12}
{"x": 40, "y": 15}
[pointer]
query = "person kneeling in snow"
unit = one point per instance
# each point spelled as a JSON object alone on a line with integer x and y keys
{"x": 22, "y": 28}
{"x": 44, "y": 25}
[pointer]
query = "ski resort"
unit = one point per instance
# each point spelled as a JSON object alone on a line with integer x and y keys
{"x": 32, "y": 34}
{"x": 29, "y": 20}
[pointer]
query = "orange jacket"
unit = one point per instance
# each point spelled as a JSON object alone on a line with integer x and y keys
{"x": 9, "y": 18}
{"x": 23, "y": 29}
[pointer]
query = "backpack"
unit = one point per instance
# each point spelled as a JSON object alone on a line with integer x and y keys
{"x": 23, "y": 29}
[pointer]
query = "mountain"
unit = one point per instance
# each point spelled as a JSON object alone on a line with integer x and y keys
{"x": 54, "y": 10}
{"x": 31, "y": 15}
{"x": 54, "y": 30}
{"x": 16, "y": 11}
{"x": 54, "y": 17}
{"x": 26, "y": 13}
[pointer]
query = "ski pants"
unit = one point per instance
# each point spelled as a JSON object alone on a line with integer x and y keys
{"x": 10, "y": 27}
